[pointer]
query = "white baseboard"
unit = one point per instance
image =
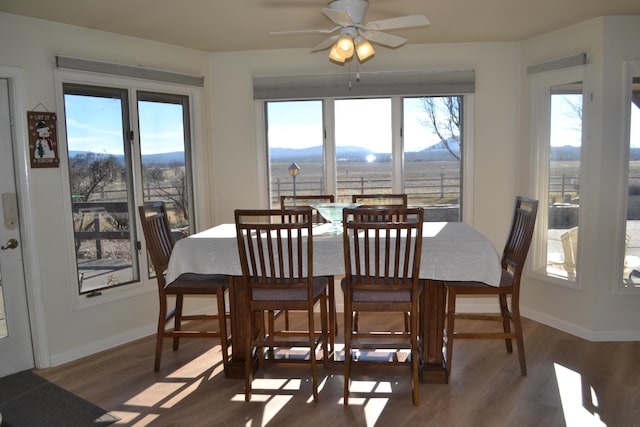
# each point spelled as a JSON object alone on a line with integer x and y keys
{"x": 489, "y": 305}
{"x": 101, "y": 345}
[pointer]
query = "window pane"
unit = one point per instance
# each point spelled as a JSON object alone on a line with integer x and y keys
{"x": 432, "y": 155}
{"x": 296, "y": 149}
{"x": 564, "y": 179}
{"x": 363, "y": 147}
{"x": 100, "y": 187}
{"x": 164, "y": 132}
{"x": 631, "y": 269}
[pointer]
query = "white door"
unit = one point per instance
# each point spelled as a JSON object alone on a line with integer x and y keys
{"x": 16, "y": 352}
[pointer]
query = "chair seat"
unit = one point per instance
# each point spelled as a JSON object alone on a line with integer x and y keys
{"x": 197, "y": 283}
{"x": 291, "y": 294}
{"x": 506, "y": 284}
{"x": 382, "y": 296}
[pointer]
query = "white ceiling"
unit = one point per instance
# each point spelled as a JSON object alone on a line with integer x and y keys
{"x": 233, "y": 25}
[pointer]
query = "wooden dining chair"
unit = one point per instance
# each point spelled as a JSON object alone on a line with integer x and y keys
{"x": 157, "y": 234}
{"x": 513, "y": 259}
{"x": 277, "y": 270}
{"x": 382, "y": 265}
{"x": 287, "y": 202}
{"x": 307, "y": 201}
{"x": 381, "y": 199}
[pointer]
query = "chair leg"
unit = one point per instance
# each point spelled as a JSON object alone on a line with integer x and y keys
{"x": 162, "y": 319}
{"x": 506, "y": 322}
{"x": 312, "y": 351}
{"x": 348, "y": 331}
{"x": 333, "y": 320}
{"x": 324, "y": 330}
{"x": 177, "y": 324}
{"x": 415, "y": 355}
{"x": 248, "y": 357}
{"x": 450, "y": 329}
{"x": 517, "y": 324}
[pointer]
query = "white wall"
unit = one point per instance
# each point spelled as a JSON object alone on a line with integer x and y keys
{"x": 227, "y": 168}
{"x": 595, "y": 310}
{"x": 496, "y": 133}
{"x": 72, "y": 331}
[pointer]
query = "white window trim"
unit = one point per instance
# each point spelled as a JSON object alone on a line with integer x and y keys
{"x": 132, "y": 85}
{"x": 631, "y": 69}
{"x": 540, "y": 89}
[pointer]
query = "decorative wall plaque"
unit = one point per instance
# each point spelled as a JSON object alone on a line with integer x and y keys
{"x": 43, "y": 141}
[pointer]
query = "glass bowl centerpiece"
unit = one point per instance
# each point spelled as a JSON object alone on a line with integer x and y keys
{"x": 332, "y": 212}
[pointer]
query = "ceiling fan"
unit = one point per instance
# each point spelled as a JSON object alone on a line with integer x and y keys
{"x": 354, "y": 35}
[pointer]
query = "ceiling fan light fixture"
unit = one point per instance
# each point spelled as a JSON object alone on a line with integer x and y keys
{"x": 334, "y": 55}
{"x": 345, "y": 47}
{"x": 364, "y": 50}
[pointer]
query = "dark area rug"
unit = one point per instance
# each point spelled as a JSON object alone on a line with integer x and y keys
{"x": 28, "y": 400}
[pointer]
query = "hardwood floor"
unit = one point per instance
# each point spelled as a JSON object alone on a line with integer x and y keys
{"x": 570, "y": 382}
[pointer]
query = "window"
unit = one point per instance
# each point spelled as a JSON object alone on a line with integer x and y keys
{"x": 110, "y": 175}
{"x": 295, "y": 141}
{"x": 557, "y": 128}
{"x": 356, "y": 147}
{"x": 631, "y": 267}
{"x": 433, "y": 155}
{"x": 363, "y": 147}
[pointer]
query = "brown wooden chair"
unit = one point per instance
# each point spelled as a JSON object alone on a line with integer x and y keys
{"x": 277, "y": 269}
{"x": 305, "y": 202}
{"x": 157, "y": 234}
{"x": 382, "y": 265}
{"x": 513, "y": 259}
{"x": 287, "y": 202}
{"x": 397, "y": 200}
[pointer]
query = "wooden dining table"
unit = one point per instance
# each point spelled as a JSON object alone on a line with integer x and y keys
{"x": 451, "y": 251}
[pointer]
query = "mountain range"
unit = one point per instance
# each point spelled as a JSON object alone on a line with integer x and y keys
{"x": 437, "y": 152}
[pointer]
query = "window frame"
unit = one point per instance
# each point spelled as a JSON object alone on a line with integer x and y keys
{"x": 540, "y": 89}
{"x": 466, "y": 172}
{"x": 631, "y": 70}
{"x": 132, "y": 86}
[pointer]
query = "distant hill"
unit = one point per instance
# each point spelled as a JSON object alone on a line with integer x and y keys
{"x": 160, "y": 159}
{"x": 436, "y": 152}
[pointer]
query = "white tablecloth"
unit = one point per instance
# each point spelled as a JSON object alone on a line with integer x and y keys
{"x": 450, "y": 251}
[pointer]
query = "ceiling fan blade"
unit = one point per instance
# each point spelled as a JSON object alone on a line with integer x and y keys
{"x": 399, "y": 22}
{"x": 318, "y": 31}
{"x": 383, "y": 39}
{"x": 325, "y": 44}
{"x": 340, "y": 17}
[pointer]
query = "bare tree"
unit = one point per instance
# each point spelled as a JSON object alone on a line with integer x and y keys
{"x": 443, "y": 117}
{"x": 90, "y": 173}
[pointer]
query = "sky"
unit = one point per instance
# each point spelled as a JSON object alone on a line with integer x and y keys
{"x": 359, "y": 122}
{"x": 95, "y": 125}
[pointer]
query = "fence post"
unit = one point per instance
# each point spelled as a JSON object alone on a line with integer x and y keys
{"x": 562, "y": 188}
{"x": 362, "y": 185}
{"x": 441, "y": 185}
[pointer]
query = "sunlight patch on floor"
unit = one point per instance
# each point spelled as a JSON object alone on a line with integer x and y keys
{"x": 182, "y": 394}
{"x": 372, "y": 410}
{"x": 574, "y": 395}
{"x": 199, "y": 365}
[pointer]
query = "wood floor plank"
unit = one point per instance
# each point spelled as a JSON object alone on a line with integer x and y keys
{"x": 570, "y": 382}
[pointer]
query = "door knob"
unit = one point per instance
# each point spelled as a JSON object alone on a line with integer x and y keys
{"x": 11, "y": 244}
